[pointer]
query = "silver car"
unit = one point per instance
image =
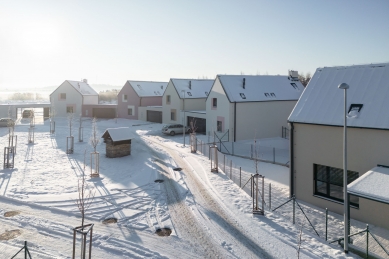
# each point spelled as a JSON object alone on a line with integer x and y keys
{"x": 6, "y": 122}
{"x": 174, "y": 129}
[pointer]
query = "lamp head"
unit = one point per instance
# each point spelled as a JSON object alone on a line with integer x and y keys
{"x": 343, "y": 86}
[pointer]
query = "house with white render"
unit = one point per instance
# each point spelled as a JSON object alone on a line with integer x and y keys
{"x": 71, "y": 96}
{"x": 184, "y": 102}
{"x": 241, "y": 107}
{"x": 316, "y": 141}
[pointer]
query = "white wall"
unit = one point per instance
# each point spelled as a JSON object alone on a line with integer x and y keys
{"x": 224, "y": 109}
{"x": 262, "y": 119}
{"x": 175, "y": 103}
{"x": 91, "y": 99}
{"x": 73, "y": 97}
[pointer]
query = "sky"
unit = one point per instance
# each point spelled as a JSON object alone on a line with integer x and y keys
{"x": 43, "y": 42}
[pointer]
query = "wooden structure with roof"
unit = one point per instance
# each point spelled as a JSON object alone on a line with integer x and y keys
{"x": 118, "y": 142}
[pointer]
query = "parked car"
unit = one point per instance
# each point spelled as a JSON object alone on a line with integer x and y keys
{"x": 173, "y": 129}
{"x": 6, "y": 122}
{"x": 28, "y": 114}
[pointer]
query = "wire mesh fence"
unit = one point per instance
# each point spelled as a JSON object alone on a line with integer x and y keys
{"x": 320, "y": 222}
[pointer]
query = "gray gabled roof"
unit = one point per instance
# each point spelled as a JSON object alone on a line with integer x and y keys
{"x": 83, "y": 87}
{"x": 148, "y": 88}
{"x": 322, "y": 102}
{"x": 193, "y": 88}
{"x": 260, "y": 88}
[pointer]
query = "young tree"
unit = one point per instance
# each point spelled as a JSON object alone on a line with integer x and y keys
{"x": 70, "y": 122}
{"x": 94, "y": 138}
{"x": 299, "y": 241}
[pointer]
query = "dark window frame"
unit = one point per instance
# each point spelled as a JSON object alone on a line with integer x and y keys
{"x": 62, "y": 96}
{"x": 128, "y": 111}
{"x": 219, "y": 126}
{"x": 69, "y": 109}
{"x": 214, "y": 102}
{"x": 328, "y": 183}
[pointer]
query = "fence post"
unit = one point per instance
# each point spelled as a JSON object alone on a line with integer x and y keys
{"x": 367, "y": 240}
{"x": 232, "y": 148}
{"x": 269, "y": 196}
{"x": 251, "y": 155}
{"x": 294, "y": 208}
{"x": 326, "y": 223}
{"x": 224, "y": 165}
{"x": 240, "y": 177}
{"x": 25, "y": 249}
{"x": 231, "y": 169}
{"x": 251, "y": 191}
{"x": 274, "y": 155}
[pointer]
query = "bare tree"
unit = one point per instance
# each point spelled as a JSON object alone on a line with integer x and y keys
{"x": 305, "y": 79}
{"x": 94, "y": 138}
{"x": 70, "y": 122}
{"x": 192, "y": 126}
{"x": 85, "y": 194}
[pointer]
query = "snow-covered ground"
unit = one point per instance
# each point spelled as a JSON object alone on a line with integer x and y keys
{"x": 209, "y": 215}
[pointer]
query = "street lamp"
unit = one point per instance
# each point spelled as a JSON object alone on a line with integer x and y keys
{"x": 345, "y": 195}
{"x": 183, "y": 119}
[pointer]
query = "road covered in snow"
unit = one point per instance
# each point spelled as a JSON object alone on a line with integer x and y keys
{"x": 207, "y": 214}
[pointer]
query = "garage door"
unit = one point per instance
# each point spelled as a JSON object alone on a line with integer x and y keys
{"x": 200, "y": 124}
{"x": 104, "y": 112}
{"x": 154, "y": 116}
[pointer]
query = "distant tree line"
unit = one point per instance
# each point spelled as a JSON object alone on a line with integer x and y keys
{"x": 304, "y": 79}
{"x": 26, "y": 96}
{"x": 108, "y": 95}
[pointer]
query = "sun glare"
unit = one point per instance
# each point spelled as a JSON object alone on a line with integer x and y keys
{"x": 40, "y": 38}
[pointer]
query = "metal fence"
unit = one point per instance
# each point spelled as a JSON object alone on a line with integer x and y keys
{"x": 322, "y": 223}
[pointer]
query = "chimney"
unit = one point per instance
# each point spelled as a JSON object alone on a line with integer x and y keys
{"x": 190, "y": 84}
{"x": 294, "y": 75}
{"x": 85, "y": 80}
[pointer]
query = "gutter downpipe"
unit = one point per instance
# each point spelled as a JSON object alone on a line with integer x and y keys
{"x": 291, "y": 159}
{"x": 234, "y": 121}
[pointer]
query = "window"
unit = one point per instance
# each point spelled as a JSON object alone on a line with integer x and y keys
{"x": 219, "y": 126}
{"x": 214, "y": 102}
{"x": 69, "y": 109}
{"x": 124, "y": 98}
{"x": 167, "y": 99}
{"x": 242, "y": 95}
{"x": 189, "y": 93}
{"x": 328, "y": 183}
{"x": 173, "y": 115}
{"x": 295, "y": 86}
{"x": 129, "y": 111}
{"x": 62, "y": 96}
{"x": 354, "y": 110}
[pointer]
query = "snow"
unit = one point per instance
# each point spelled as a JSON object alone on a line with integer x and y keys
{"x": 260, "y": 88}
{"x": 83, "y": 87}
{"x": 209, "y": 215}
{"x": 323, "y": 102}
{"x": 199, "y": 88}
{"x": 119, "y": 134}
{"x": 372, "y": 185}
{"x": 148, "y": 88}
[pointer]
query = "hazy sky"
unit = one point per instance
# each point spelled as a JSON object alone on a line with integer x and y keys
{"x": 43, "y": 43}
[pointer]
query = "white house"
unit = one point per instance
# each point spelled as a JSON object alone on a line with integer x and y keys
{"x": 70, "y": 97}
{"x": 247, "y": 107}
{"x": 316, "y": 140}
{"x": 184, "y": 100}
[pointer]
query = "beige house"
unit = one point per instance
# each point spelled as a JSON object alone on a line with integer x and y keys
{"x": 316, "y": 139}
{"x": 243, "y": 107}
{"x": 184, "y": 101}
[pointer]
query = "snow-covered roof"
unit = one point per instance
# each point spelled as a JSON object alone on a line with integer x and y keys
{"x": 193, "y": 88}
{"x": 83, "y": 87}
{"x": 260, "y": 88}
{"x": 372, "y": 185}
{"x": 148, "y": 88}
{"x": 322, "y": 102}
{"x": 118, "y": 134}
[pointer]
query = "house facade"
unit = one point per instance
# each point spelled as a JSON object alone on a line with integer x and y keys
{"x": 243, "y": 107}
{"x": 136, "y": 94}
{"x": 316, "y": 139}
{"x": 184, "y": 100}
{"x": 70, "y": 96}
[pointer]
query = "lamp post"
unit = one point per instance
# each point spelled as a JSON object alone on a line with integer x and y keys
{"x": 345, "y": 86}
{"x": 183, "y": 119}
